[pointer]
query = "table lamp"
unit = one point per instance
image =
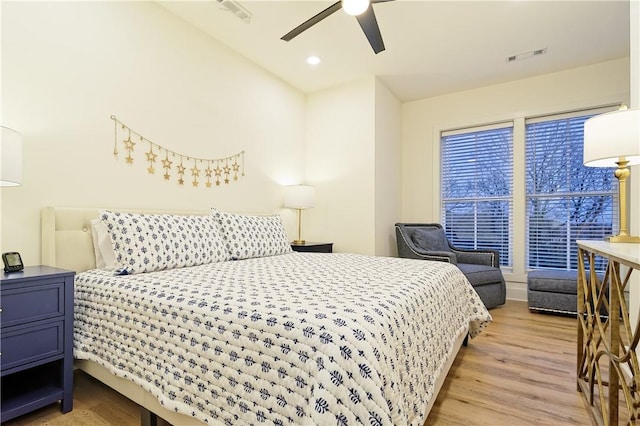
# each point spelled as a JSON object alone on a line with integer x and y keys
{"x": 613, "y": 140}
{"x": 299, "y": 197}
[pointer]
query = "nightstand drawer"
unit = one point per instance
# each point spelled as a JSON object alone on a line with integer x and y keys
{"x": 22, "y": 345}
{"x": 25, "y": 304}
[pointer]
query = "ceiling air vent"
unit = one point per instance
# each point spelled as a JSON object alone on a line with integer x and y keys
{"x": 525, "y": 55}
{"x": 239, "y": 11}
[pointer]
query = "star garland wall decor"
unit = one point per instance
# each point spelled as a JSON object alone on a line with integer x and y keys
{"x": 209, "y": 171}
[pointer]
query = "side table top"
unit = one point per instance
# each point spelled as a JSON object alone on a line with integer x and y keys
{"x": 311, "y": 243}
{"x": 30, "y": 272}
{"x": 628, "y": 253}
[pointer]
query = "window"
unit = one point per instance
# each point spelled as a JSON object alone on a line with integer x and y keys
{"x": 566, "y": 201}
{"x": 561, "y": 200}
{"x": 476, "y": 188}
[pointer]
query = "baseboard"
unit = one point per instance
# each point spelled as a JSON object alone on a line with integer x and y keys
{"x": 517, "y": 291}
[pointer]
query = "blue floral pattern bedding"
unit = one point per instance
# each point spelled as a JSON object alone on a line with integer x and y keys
{"x": 299, "y": 338}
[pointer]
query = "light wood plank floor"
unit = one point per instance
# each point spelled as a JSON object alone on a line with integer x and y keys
{"x": 520, "y": 371}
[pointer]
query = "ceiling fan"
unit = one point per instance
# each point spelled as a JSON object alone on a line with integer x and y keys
{"x": 361, "y": 9}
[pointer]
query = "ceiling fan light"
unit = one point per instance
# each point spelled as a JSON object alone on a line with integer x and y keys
{"x": 354, "y": 7}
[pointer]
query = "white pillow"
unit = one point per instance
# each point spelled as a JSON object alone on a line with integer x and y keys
{"x": 102, "y": 247}
{"x": 248, "y": 236}
{"x": 146, "y": 243}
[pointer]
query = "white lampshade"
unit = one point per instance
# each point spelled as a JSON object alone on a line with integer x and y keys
{"x": 299, "y": 196}
{"x": 10, "y": 157}
{"x": 354, "y": 7}
{"x": 607, "y": 137}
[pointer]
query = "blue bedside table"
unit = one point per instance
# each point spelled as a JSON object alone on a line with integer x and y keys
{"x": 36, "y": 358}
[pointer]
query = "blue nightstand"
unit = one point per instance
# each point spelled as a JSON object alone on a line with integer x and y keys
{"x": 36, "y": 358}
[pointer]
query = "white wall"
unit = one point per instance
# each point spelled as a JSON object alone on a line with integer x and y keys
{"x": 340, "y": 163}
{"x": 353, "y": 160}
{"x": 388, "y": 175}
{"x": 634, "y": 186}
{"x": 600, "y": 84}
{"x": 634, "y": 72}
{"x": 68, "y": 66}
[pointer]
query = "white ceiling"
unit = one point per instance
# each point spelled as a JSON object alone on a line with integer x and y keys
{"x": 432, "y": 47}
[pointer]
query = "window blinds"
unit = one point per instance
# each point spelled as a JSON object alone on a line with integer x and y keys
{"x": 566, "y": 201}
{"x": 476, "y": 188}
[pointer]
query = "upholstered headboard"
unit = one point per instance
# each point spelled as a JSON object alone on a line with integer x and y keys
{"x": 66, "y": 235}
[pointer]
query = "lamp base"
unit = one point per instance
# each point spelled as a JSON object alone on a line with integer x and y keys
{"x": 623, "y": 239}
{"x": 299, "y": 242}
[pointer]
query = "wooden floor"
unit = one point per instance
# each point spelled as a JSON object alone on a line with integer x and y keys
{"x": 520, "y": 371}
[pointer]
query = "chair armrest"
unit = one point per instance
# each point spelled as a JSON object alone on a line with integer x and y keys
{"x": 439, "y": 256}
{"x": 478, "y": 257}
{"x": 407, "y": 249}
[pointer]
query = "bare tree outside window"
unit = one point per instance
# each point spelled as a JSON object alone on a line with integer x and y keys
{"x": 566, "y": 201}
{"x": 476, "y": 183}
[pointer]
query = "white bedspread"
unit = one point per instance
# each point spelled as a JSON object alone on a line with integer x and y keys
{"x": 300, "y": 338}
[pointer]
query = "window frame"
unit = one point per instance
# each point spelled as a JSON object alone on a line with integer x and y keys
{"x": 519, "y": 241}
{"x": 475, "y": 200}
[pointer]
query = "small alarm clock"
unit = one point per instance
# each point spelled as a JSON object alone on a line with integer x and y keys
{"x": 12, "y": 262}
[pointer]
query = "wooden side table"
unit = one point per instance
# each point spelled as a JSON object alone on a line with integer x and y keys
{"x": 312, "y": 247}
{"x": 608, "y": 373}
{"x": 37, "y": 340}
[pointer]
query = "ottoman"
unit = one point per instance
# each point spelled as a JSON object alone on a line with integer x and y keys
{"x": 553, "y": 291}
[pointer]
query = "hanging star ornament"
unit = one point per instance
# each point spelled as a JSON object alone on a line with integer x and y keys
{"x": 124, "y": 133}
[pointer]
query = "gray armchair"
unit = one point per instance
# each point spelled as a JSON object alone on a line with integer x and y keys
{"x": 427, "y": 241}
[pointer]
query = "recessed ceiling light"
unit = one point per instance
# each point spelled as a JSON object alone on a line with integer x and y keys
{"x": 313, "y": 60}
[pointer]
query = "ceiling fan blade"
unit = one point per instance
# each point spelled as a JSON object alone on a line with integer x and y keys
{"x": 369, "y": 24}
{"x": 311, "y": 22}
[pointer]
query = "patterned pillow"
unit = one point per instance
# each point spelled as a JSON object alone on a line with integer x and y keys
{"x": 252, "y": 236}
{"x": 145, "y": 243}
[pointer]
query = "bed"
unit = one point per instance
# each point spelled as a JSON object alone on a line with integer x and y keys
{"x": 246, "y": 336}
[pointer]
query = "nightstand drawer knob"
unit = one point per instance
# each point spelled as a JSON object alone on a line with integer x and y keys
{"x": 0, "y": 310}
